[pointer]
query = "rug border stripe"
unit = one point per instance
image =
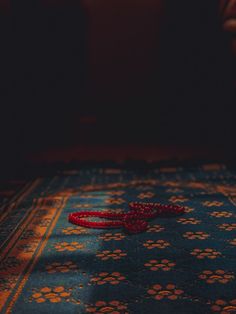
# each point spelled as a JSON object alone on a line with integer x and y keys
{"x": 24, "y": 192}
{"x": 35, "y": 259}
{"x": 12, "y": 232}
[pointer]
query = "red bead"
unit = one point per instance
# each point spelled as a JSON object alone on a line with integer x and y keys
{"x": 134, "y": 221}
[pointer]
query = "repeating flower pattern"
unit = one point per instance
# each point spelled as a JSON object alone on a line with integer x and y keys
{"x": 189, "y": 221}
{"x": 178, "y": 199}
{"x": 144, "y": 195}
{"x": 197, "y": 185}
{"x": 220, "y": 214}
{"x": 86, "y": 196}
{"x": 74, "y": 230}
{"x": 212, "y": 203}
{"x": 115, "y": 193}
{"x": 188, "y": 258}
{"x": 61, "y": 267}
{"x": 155, "y": 228}
{"x": 172, "y": 184}
{"x": 112, "y": 307}
{"x": 52, "y": 295}
{"x": 198, "y": 235}
{"x": 113, "y": 278}
{"x": 224, "y": 307}
{"x": 113, "y": 210}
{"x": 114, "y": 201}
{"x": 228, "y": 226}
{"x": 115, "y": 255}
{"x": 83, "y": 205}
{"x": 159, "y": 244}
{"x": 118, "y": 236}
{"x": 163, "y": 264}
{"x": 170, "y": 292}
{"x": 218, "y": 276}
{"x": 188, "y": 209}
{"x": 68, "y": 246}
{"x": 174, "y": 190}
{"x": 233, "y": 242}
{"x": 205, "y": 253}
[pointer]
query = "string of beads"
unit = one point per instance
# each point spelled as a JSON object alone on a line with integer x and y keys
{"x": 134, "y": 221}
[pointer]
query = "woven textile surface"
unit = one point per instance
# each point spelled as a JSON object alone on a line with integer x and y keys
{"x": 184, "y": 264}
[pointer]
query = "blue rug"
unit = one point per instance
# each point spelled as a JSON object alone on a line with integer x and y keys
{"x": 183, "y": 264}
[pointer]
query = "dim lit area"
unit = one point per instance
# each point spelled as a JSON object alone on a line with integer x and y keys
{"x": 118, "y": 182}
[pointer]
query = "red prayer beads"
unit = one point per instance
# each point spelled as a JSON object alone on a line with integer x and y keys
{"x": 134, "y": 221}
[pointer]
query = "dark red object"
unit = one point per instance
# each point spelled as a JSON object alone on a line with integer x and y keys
{"x": 134, "y": 221}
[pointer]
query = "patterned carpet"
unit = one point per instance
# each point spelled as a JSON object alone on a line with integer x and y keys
{"x": 180, "y": 265}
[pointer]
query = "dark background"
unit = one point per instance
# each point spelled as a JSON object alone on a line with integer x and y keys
{"x": 114, "y": 72}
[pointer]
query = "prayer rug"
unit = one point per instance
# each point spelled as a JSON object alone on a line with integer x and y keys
{"x": 184, "y": 264}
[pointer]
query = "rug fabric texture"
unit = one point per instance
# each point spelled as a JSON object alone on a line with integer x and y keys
{"x": 184, "y": 264}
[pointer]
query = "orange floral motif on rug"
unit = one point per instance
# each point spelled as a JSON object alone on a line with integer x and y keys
{"x": 181, "y": 264}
